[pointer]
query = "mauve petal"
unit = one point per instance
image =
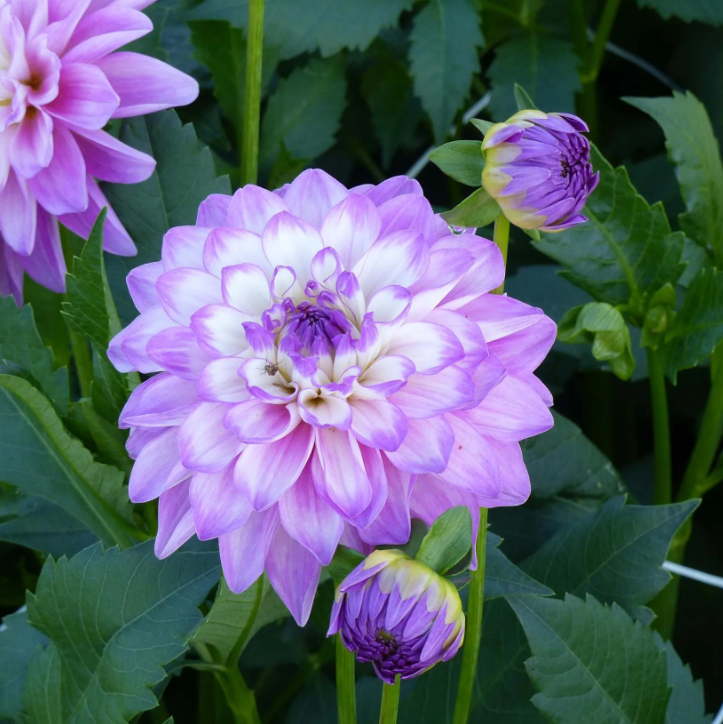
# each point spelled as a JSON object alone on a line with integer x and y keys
{"x": 218, "y": 505}
{"x": 175, "y": 520}
{"x": 176, "y": 350}
{"x": 108, "y": 159}
{"x": 138, "y": 439}
{"x": 32, "y": 147}
{"x": 290, "y": 241}
{"x": 127, "y": 350}
{"x": 538, "y": 387}
{"x": 246, "y": 288}
{"x": 487, "y": 376}
{"x": 212, "y": 212}
{"x": 18, "y": 215}
{"x": 294, "y": 573}
{"x": 391, "y": 188}
{"x": 408, "y": 211}
{"x": 351, "y": 227}
{"x": 308, "y": 519}
{"x": 204, "y": 443}
{"x": 393, "y": 524}
{"x": 467, "y": 332}
{"x": 63, "y": 18}
{"x": 257, "y": 422}
{"x": 430, "y": 347}
{"x": 161, "y": 401}
{"x": 219, "y": 331}
{"x": 141, "y": 282}
{"x": 46, "y": 264}
{"x": 183, "y": 291}
{"x": 374, "y": 466}
{"x": 146, "y": 85}
{"x": 312, "y": 194}
{"x": 499, "y": 315}
{"x": 243, "y": 550}
{"x": 487, "y": 273}
{"x": 252, "y": 207}
{"x": 151, "y": 473}
{"x": 426, "y": 448}
{"x": 429, "y": 395}
{"x": 514, "y": 478}
{"x": 524, "y": 351}
{"x": 378, "y": 423}
{"x": 11, "y": 274}
{"x": 226, "y": 247}
{"x": 220, "y": 381}
{"x": 387, "y": 374}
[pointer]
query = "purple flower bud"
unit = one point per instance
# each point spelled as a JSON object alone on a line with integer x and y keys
{"x": 537, "y": 168}
{"x": 399, "y": 614}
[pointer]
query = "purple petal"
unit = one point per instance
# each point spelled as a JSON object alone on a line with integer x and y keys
{"x": 205, "y": 445}
{"x": 351, "y": 227}
{"x": 141, "y": 282}
{"x": 393, "y": 525}
{"x": 429, "y": 395}
{"x": 219, "y": 330}
{"x": 218, "y": 505}
{"x": 175, "y": 520}
{"x": 176, "y": 350}
{"x": 161, "y": 401}
{"x": 426, "y": 448}
{"x": 18, "y": 215}
{"x": 183, "y": 291}
{"x": 252, "y": 208}
{"x": 378, "y": 423}
{"x": 312, "y": 194}
{"x": 152, "y": 470}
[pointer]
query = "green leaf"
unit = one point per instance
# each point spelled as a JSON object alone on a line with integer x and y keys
{"x": 705, "y": 11}
{"x": 285, "y": 169}
{"x": 592, "y": 662}
{"x": 523, "y": 99}
{"x": 614, "y": 553}
{"x": 477, "y": 210}
{"x": 481, "y": 125}
{"x": 462, "y": 160}
{"x": 694, "y": 150}
{"x": 698, "y": 326}
{"x": 448, "y": 540}
{"x": 41, "y": 458}
{"x": 443, "y": 58}
{"x": 304, "y": 112}
{"x": 18, "y": 642}
{"x": 544, "y": 66}
{"x": 235, "y": 618}
{"x": 21, "y": 346}
{"x": 42, "y": 693}
{"x": 183, "y": 178}
{"x": 503, "y": 578}
{"x": 116, "y": 618}
{"x": 626, "y": 251}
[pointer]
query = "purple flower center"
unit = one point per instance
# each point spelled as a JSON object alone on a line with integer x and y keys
{"x": 389, "y": 655}
{"x": 311, "y": 324}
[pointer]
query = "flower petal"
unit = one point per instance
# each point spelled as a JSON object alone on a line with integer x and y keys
{"x": 378, "y": 423}
{"x": 288, "y": 241}
{"x": 212, "y": 212}
{"x": 184, "y": 291}
{"x": 324, "y": 410}
{"x": 312, "y": 194}
{"x": 252, "y": 208}
{"x": 351, "y": 227}
{"x": 430, "y": 395}
{"x": 18, "y": 215}
{"x": 393, "y": 524}
{"x": 183, "y": 247}
{"x": 128, "y": 349}
{"x": 46, "y": 264}
{"x": 431, "y": 347}
{"x": 231, "y": 247}
{"x": 176, "y": 350}
{"x": 522, "y": 352}
{"x": 141, "y": 282}
{"x": 32, "y": 147}
{"x": 426, "y": 448}
{"x": 258, "y": 422}
{"x": 205, "y": 445}
{"x": 175, "y": 520}
{"x": 246, "y": 287}
{"x": 220, "y": 381}
{"x": 387, "y": 374}
{"x": 161, "y": 401}
{"x": 218, "y": 505}
{"x": 219, "y": 330}
{"x": 151, "y": 473}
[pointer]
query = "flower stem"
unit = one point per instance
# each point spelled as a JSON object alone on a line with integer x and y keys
{"x": 501, "y": 238}
{"x": 239, "y": 697}
{"x": 252, "y": 100}
{"x": 662, "y": 479}
{"x": 390, "y": 703}
{"x": 345, "y": 683}
{"x": 473, "y": 628}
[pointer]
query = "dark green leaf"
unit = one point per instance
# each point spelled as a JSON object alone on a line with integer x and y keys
{"x": 544, "y": 66}
{"x": 285, "y": 169}
{"x": 626, "y": 251}
{"x": 693, "y": 148}
{"x": 304, "y": 112}
{"x": 523, "y": 99}
{"x": 705, "y": 11}
{"x": 477, "y": 210}
{"x": 21, "y": 346}
{"x": 41, "y": 458}
{"x": 614, "y": 553}
{"x": 448, "y": 540}
{"x": 316, "y": 703}
{"x": 443, "y": 58}
{"x": 462, "y": 160}
{"x": 184, "y": 177}
{"x": 592, "y": 662}
{"x": 42, "y": 695}
{"x": 504, "y": 578}
{"x": 116, "y": 619}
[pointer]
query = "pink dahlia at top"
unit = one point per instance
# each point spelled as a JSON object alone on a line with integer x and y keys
{"x": 331, "y": 363}
{"x": 60, "y": 84}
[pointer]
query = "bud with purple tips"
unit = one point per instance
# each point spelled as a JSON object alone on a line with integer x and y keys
{"x": 398, "y": 614}
{"x": 537, "y": 168}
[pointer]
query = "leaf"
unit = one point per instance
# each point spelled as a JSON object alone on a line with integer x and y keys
{"x": 705, "y": 11}
{"x": 481, "y": 125}
{"x": 477, "y": 210}
{"x": 235, "y": 618}
{"x": 116, "y": 618}
{"x": 698, "y": 326}
{"x": 693, "y": 149}
{"x": 504, "y": 578}
{"x": 21, "y": 346}
{"x": 448, "y": 540}
{"x": 443, "y": 58}
{"x": 626, "y": 251}
{"x": 614, "y": 553}
{"x": 546, "y": 67}
{"x": 523, "y": 99}
{"x": 592, "y": 662}
{"x": 183, "y": 178}
{"x": 18, "y": 642}
{"x": 304, "y": 112}
{"x": 39, "y": 525}
{"x": 41, "y": 458}
{"x": 315, "y": 703}
{"x": 42, "y": 693}
{"x": 297, "y": 28}
{"x": 462, "y": 160}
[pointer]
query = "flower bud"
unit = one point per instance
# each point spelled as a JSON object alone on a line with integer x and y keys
{"x": 537, "y": 168}
{"x": 399, "y": 614}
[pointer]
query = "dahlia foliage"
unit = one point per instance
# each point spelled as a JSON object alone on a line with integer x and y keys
{"x": 60, "y": 84}
{"x": 331, "y": 363}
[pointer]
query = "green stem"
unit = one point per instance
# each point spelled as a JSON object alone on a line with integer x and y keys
{"x": 390, "y": 703}
{"x": 236, "y": 651}
{"x": 473, "y": 628}
{"x": 501, "y": 238}
{"x": 345, "y": 683}
{"x": 602, "y": 33}
{"x": 252, "y": 99}
{"x": 83, "y": 361}
{"x": 662, "y": 485}
{"x": 239, "y": 697}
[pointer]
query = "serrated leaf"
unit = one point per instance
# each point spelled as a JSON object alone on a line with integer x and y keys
{"x": 477, "y": 210}
{"x": 116, "y": 618}
{"x": 461, "y": 160}
{"x": 184, "y": 177}
{"x": 21, "y": 346}
{"x": 42, "y": 692}
{"x": 614, "y": 553}
{"x": 447, "y": 541}
{"x": 443, "y": 58}
{"x": 18, "y": 642}
{"x": 626, "y": 250}
{"x": 235, "y": 618}
{"x": 693, "y": 149}
{"x": 704, "y": 11}
{"x": 503, "y": 578}
{"x": 592, "y": 662}
{"x": 544, "y": 66}
{"x": 698, "y": 326}
{"x": 41, "y": 458}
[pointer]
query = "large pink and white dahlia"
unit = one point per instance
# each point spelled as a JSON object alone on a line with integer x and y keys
{"x": 60, "y": 83}
{"x": 331, "y": 364}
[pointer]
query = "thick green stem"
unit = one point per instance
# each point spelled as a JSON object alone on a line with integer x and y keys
{"x": 83, "y": 361}
{"x": 390, "y": 703}
{"x": 602, "y": 33}
{"x": 252, "y": 96}
{"x": 662, "y": 479}
{"x": 345, "y": 683}
{"x": 239, "y": 697}
{"x": 501, "y": 238}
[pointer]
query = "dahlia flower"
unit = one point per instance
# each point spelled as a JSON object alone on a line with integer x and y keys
{"x": 537, "y": 168}
{"x": 60, "y": 83}
{"x": 399, "y": 614}
{"x": 331, "y": 363}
